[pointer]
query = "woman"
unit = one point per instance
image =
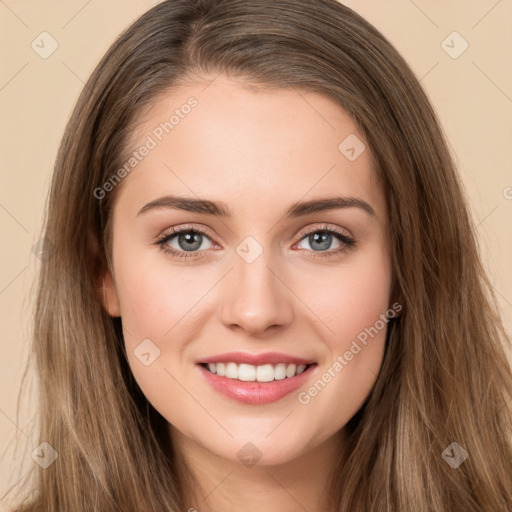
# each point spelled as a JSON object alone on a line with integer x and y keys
{"x": 338, "y": 349}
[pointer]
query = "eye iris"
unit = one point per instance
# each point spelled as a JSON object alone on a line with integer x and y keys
{"x": 324, "y": 239}
{"x": 189, "y": 237}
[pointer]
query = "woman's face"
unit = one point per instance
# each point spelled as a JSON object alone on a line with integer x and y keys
{"x": 274, "y": 274}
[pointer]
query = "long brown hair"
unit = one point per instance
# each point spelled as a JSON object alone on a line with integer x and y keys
{"x": 445, "y": 377}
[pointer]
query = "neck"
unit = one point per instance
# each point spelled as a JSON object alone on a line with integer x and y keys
{"x": 213, "y": 483}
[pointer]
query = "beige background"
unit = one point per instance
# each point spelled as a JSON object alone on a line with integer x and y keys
{"x": 472, "y": 94}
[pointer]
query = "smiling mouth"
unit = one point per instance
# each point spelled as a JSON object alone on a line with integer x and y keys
{"x": 251, "y": 373}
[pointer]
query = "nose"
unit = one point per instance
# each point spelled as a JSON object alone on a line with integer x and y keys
{"x": 256, "y": 298}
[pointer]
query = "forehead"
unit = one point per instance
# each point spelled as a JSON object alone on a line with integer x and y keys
{"x": 248, "y": 147}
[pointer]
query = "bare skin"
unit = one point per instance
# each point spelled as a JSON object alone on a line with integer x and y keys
{"x": 258, "y": 152}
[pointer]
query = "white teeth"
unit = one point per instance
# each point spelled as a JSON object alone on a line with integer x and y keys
{"x": 290, "y": 370}
{"x": 231, "y": 371}
{"x": 300, "y": 368}
{"x": 221, "y": 369}
{"x": 251, "y": 373}
{"x": 280, "y": 371}
{"x": 265, "y": 373}
{"x": 247, "y": 372}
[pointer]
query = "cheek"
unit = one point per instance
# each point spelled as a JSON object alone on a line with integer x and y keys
{"x": 156, "y": 297}
{"x": 350, "y": 297}
{"x": 159, "y": 308}
{"x": 352, "y": 308}
{"x": 155, "y": 311}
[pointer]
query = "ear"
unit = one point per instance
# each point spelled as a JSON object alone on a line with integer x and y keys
{"x": 104, "y": 280}
{"x": 110, "y": 298}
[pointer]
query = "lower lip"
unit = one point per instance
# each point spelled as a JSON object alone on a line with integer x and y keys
{"x": 256, "y": 393}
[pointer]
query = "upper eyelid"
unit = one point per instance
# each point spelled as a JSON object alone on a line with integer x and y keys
{"x": 184, "y": 229}
{"x": 204, "y": 231}
{"x": 325, "y": 227}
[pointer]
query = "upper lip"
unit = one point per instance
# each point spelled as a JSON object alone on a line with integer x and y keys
{"x": 255, "y": 359}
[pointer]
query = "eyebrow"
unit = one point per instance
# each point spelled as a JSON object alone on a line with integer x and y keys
{"x": 220, "y": 209}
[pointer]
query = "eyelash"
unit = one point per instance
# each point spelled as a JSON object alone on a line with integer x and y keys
{"x": 348, "y": 241}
